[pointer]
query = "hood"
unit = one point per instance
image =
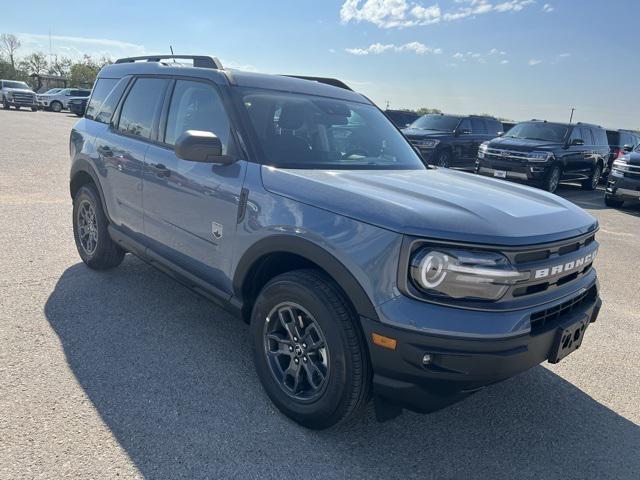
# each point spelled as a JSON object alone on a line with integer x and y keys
{"x": 439, "y": 203}
{"x": 418, "y": 133}
{"x": 633, "y": 158}
{"x": 19, "y": 90}
{"x": 523, "y": 144}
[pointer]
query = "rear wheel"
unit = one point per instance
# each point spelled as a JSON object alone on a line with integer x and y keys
{"x": 5, "y": 104}
{"x": 55, "y": 106}
{"x": 613, "y": 202}
{"x": 552, "y": 179}
{"x": 591, "y": 183}
{"x": 90, "y": 230}
{"x": 309, "y": 353}
{"x": 34, "y": 109}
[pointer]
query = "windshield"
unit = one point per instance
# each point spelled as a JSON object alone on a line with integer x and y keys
{"x": 305, "y": 131}
{"x": 441, "y": 123}
{"x": 52, "y": 91}
{"x": 8, "y": 84}
{"x": 548, "y": 132}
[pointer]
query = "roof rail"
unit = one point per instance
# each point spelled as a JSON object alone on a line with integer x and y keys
{"x": 201, "y": 61}
{"x": 328, "y": 81}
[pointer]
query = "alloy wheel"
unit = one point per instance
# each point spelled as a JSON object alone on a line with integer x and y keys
{"x": 296, "y": 352}
{"x": 554, "y": 180}
{"x": 87, "y": 227}
{"x": 596, "y": 177}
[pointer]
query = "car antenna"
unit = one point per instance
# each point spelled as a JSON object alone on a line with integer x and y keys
{"x": 171, "y": 49}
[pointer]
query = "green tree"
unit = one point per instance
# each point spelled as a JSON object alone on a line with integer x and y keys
{"x": 84, "y": 73}
{"x": 9, "y": 44}
{"x": 60, "y": 66}
{"x": 426, "y": 111}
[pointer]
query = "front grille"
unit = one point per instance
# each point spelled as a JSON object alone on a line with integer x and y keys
{"x": 628, "y": 170}
{"x": 499, "y": 154}
{"x": 549, "y": 318}
{"x": 23, "y": 97}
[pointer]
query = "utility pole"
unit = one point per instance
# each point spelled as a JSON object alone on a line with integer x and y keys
{"x": 571, "y": 118}
{"x": 387, "y": 107}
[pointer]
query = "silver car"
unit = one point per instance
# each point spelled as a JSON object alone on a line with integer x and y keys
{"x": 58, "y": 99}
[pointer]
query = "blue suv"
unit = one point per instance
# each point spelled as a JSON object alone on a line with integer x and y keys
{"x": 296, "y": 204}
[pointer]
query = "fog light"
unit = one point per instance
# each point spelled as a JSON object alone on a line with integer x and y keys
{"x": 426, "y": 360}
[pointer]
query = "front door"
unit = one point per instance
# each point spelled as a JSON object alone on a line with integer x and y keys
{"x": 190, "y": 208}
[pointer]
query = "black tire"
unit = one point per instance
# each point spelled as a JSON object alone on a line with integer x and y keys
{"x": 56, "y": 106}
{"x": 613, "y": 202}
{"x": 552, "y": 179}
{"x": 5, "y": 104}
{"x": 34, "y": 109}
{"x": 347, "y": 382}
{"x": 106, "y": 253}
{"x": 443, "y": 159}
{"x": 591, "y": 183}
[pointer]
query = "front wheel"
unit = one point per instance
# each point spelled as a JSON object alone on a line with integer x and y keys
{"x": 443, "y": 159}
{"x": 552, "y": 179}
{"x": 90, "y": 230}
{"x": 613, "y": 202}
{"x": 5, "y": 104}
{"x": 308, "y": 350}
{"x": 591, "y": 183}
{"x": 34, "y": 109}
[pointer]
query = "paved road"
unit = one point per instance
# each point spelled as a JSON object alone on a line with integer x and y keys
{"x": 127, "y": 374}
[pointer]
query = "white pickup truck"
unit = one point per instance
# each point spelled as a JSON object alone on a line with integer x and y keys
{"x": 17, "y": 94}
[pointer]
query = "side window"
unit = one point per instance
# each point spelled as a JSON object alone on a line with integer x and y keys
{"x": 493, "y": 127}
{"x": 600, "y": 136}
{"x": 478, "y": 126}
{"x": 575, "y": 134}
{"x": 586, "y": 136}
{"x": 101, "y": 89}
{"x": 196, "y": 106}
{"x": 111, "y": 102}
{"x": 141, "y": 107}
{"x": 465, "y": 126}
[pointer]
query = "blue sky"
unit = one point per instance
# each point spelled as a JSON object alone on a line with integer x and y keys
{"x": 519, "y": 59}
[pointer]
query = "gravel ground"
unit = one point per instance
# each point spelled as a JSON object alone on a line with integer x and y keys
{"x": 128, "y": 374}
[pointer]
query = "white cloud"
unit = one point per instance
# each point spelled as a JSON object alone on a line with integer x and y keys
{"x": 77, "y": 46}
{"x": 478, "y": 57}
{"x": 534, "y": 61}
{"x": 564, "y": 55}
{"x": 548, "y": 8}
{"x": 504, "y": 62}
{"x": 378, "y": 48}
{"x": 408, "y": 13}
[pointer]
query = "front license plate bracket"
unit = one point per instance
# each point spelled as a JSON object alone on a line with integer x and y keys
{"x": 567, "y": 340}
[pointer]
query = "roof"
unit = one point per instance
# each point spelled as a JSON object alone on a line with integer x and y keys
{"x": 581, "y": 124}
{"x": 224, "y": 76}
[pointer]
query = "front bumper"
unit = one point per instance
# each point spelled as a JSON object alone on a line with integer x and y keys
{"x": 462, "y": 363}
{"x": 522, "y": 171}
{"x": 624, "y": 187}
{"x": 21, "y": 103}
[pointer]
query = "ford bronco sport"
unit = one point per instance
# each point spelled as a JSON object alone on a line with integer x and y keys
{"x": 296, "y": 204}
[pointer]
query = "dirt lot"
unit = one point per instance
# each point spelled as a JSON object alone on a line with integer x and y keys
{"x": 127, "y": 374}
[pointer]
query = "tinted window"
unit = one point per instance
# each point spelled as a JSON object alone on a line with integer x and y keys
{"x": 305, "y": 131}
{"x": 493, "y": 127}
{"x": 111, "y": 102}
{"x": 586, "y": 136}
{"x": 196, "y": 106}
{"x": 613, "y": 137}
{"x": 478, "y": 126}
{"x": 100, "y": 91}
{"x": 441, "y": 123}
{"x": 600, "y": 136}
{"x": 141, "y": 107}
{"x": 465, "y": 126}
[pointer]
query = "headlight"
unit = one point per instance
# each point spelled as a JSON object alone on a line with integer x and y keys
{"x": 620, "y": 165}
{"x": 426, "y": 143}
{"x": 539, "y": 156}
{"x": 482, "y": 149}
{"x": 463, "y": 274}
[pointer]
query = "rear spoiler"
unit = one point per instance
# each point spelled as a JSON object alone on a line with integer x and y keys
{"x": 334, "y": 82}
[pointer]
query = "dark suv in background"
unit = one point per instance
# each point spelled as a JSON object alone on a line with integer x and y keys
{"x": 620, "y": 143}
{"x": 545, "y": 153}
{"x": 451, "y": 140}
{"x": 401, "y": 118}
{"x": 624, "y": 182}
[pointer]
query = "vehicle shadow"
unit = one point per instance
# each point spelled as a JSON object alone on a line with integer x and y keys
{"x": 172, "y": 377}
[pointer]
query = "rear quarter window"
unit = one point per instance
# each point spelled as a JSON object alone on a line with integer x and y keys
{"x": 101, "y": 90}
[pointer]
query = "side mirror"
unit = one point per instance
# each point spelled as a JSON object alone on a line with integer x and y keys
{"x": 628, "y": 148}
{"x": 463, "y": 131}
{"x": 577, "y": 141}
{"x": 500, "y": 134}
{"x": 199, "y": 146}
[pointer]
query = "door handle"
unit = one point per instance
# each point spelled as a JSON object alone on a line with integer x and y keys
{"x": 162, "y": 170}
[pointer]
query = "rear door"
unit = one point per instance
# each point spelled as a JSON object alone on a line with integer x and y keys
{"x": 123, "y": 146}
{"x": 191, "y": 208}
{"x": 462, "y": 142}
{"x": 574, "y": 158}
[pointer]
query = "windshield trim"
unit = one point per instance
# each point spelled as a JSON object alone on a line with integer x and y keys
{"x": 23, "y": 85}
